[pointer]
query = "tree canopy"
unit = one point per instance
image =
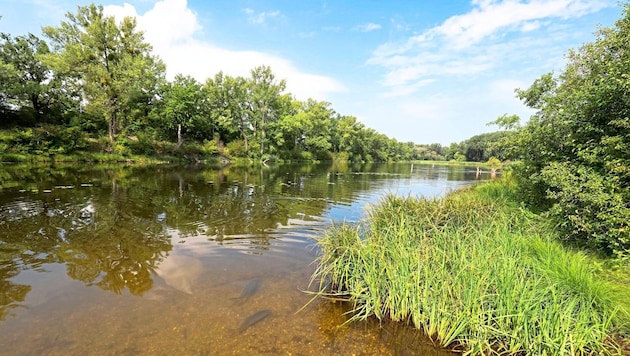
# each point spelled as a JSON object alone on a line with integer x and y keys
{"x": 94, "y": 75}
{"x": 110, "y": 63}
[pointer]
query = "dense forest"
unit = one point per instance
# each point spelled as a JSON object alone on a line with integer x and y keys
{"x": 92, "y": 84}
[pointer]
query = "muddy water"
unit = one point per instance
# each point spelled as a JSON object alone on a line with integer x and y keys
{"x": 174, "y": 260}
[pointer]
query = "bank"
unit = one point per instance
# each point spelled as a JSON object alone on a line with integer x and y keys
{"x": 477, "y": 273}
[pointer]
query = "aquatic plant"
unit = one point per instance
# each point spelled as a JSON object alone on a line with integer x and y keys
{"x": 474, "y": 272}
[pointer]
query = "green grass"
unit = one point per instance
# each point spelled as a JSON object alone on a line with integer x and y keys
{"x": 476, "y": 273}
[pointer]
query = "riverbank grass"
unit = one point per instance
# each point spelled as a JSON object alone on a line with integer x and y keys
{"x": 474, "y": 272}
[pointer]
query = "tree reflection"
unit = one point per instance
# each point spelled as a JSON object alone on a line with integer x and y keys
{"x": 112, "y": 226}
{"x": 11, "y": 295}
{"x": 84, "y": 221}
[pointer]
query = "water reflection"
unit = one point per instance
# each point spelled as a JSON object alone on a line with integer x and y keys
{"x": 182, "y": 238}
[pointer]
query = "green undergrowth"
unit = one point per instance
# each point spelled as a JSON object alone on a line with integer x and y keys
{"x": 477, "y": 273}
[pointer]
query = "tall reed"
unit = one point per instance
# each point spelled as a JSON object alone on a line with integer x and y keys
{"x": 474, "y": 272}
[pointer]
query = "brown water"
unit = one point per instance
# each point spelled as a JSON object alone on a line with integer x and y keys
{"x": 173, "y": 260}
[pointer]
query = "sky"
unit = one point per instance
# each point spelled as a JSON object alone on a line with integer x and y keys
{"x": 423, "y": 71}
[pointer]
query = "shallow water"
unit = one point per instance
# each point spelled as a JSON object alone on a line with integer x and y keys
{"x": 161, "y": 260}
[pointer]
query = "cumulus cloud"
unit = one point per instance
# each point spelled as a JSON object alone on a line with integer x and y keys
{"x": 481, "y": 40}
{"x": 171, "y": 27}
{"x": 167, "y": 23}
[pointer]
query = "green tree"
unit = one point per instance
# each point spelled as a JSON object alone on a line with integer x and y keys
{"x": 263, "y": 102}
{"x": 454, "y": 149}
{"x": 8, "y": 74}
{"x": 184, "y": 105}
{"x": 480, "y": 148}
{"x": 575, "y": 149}
{"x": 507, "y": 145}
{"x": 306, "y": 129}
{"x": 227, "y": 102}
{"x": 111, "y": 63}
{"x": 32, "y": 82}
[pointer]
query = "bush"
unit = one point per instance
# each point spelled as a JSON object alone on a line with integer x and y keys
{"x": 494, "y": 162}
{"x": 235, "y": 149}
{"x": 210, "y": 147}
{"x": 588, "y": 208}
{"x": 139, "y": 145}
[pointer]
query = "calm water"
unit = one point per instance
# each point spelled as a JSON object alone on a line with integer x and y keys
{"x": 174, "y": 260}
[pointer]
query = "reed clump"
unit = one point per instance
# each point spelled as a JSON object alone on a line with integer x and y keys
{"x": 475, "y": 272}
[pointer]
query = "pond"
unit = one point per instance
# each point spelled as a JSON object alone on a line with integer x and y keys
{"x": 192, "y": 260}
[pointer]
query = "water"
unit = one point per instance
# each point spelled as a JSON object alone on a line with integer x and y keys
{"x": 173, "y": 260}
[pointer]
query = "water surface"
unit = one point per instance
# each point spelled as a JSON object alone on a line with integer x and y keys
{"x": 174, "y": 260}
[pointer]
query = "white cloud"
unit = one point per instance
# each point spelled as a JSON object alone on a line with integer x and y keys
{"x": 170, "y": 26}
{"x": 368, "y": 27}
{"x": 491, "y": 16}
{"x": 487, "y": 38}
{"x": 168, "y": 22}
{"x": 531, "y": 26}
{"x": 259, "y": 18}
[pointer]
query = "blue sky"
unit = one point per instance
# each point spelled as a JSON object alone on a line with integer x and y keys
{"x": 421, "y": 71}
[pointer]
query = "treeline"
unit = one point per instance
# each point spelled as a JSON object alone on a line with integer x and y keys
{"x": 93, "y": 84}
{"x": 478, "y": 148}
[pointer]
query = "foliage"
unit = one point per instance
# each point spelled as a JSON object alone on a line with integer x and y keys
{"x": 44, "y": 140}
{"x": 494, "y": 163}
{"x": 431, "y": 152}
{"x": 574, "y": 150}
{"x": 110, "y": 63}
{"x": 183, "y": 106}
{"x": 29, "y": 83}
{"x": 263, "y": 103}
{"x": 458, "y": 157}
{"x": 480, "y": 148}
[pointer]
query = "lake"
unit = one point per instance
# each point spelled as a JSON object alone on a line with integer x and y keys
{"x": 125, "y": 259}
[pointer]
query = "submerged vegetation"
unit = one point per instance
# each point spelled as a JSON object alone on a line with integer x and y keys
{"x": 475, "y": 272}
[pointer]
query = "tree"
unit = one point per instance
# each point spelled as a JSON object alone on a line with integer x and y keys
{"x": 344, "y": 130}
{"x": 184, "y": 105}
{"x": 228, "y": 107}
{"x": 480, "y": 148}
{"x": 306, "y": 128}
{"x": 109, "y": 62}
{"x": 263, "y": 102}
{"x": 8, "y": 74}
{"x": 506, "y": 146}
{"x": 575, "y": 149}
{"x": 31, "y": 83}
{"x": 453, "y": 149}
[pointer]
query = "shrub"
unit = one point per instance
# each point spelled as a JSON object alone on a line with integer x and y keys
{"x": 588, "y": 208}
{"x": 235, "y": 149}
{"x": 210, "y": 147}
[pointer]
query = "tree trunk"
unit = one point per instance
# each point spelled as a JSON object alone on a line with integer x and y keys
{"x": 244, "y": 139}
{"x": 180, "y": 140}
{"x": 112, "y": 126}
{"x": 263, "y": 123}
